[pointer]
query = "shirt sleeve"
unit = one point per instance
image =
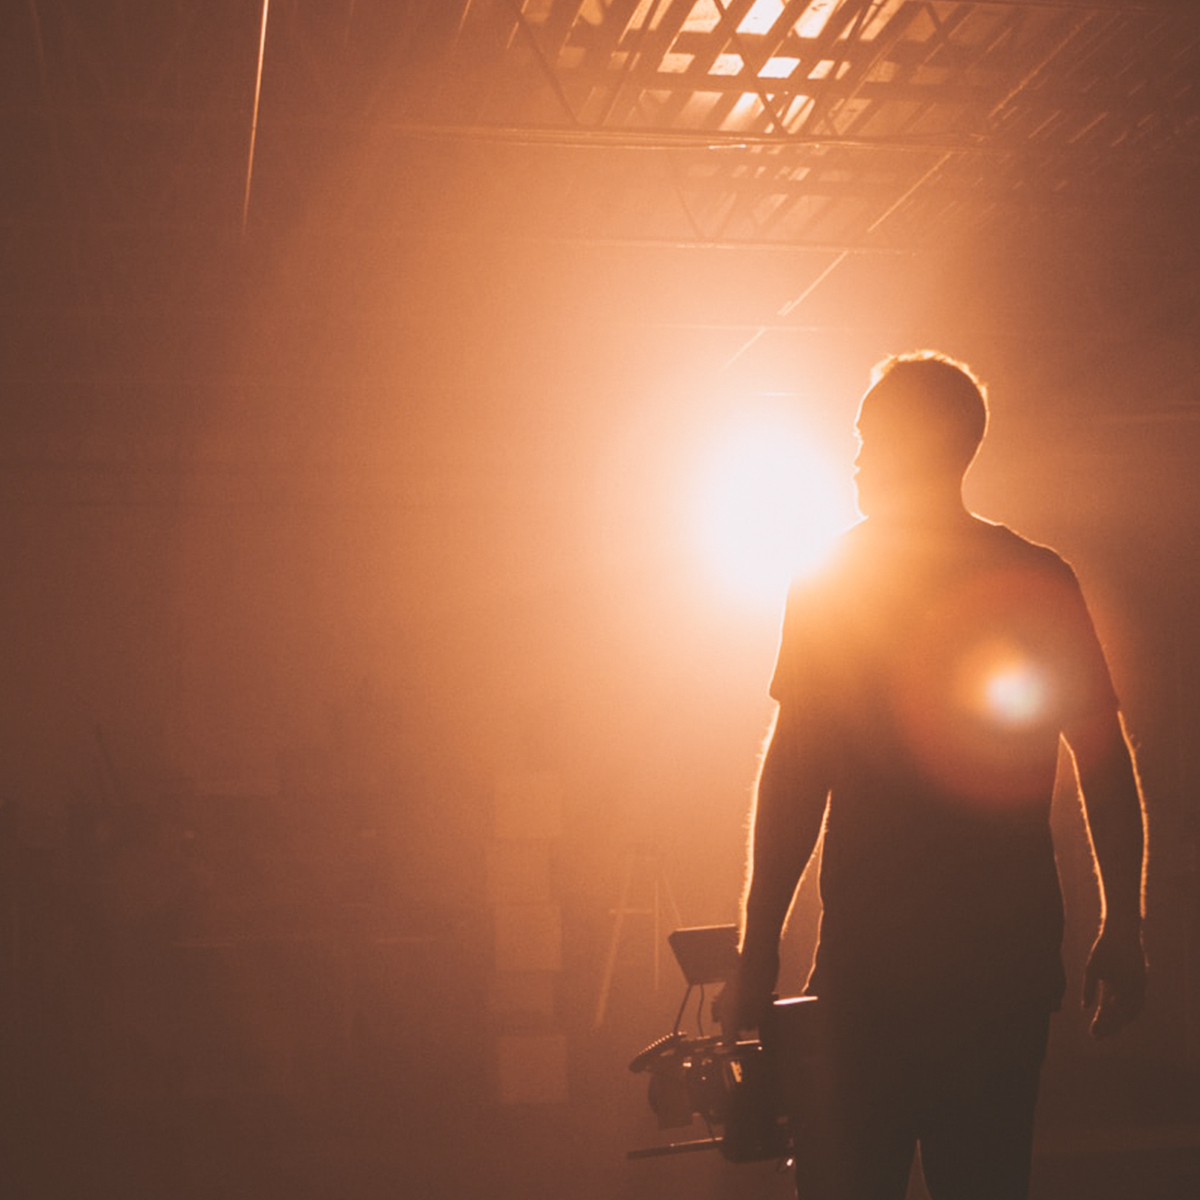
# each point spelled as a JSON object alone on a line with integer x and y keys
{"x": 1090, "y": 699}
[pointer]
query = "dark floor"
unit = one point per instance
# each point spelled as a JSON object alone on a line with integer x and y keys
{"x": 1118, "y": 1130}
{"x": 1110, "y": 1130}
{"x": 262, "y": 1072}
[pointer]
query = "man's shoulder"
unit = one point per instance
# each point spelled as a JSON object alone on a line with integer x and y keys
{"x": 869, "y": 562}
{"x": 1006, "y": 543}
{"x": 866, "y": 543}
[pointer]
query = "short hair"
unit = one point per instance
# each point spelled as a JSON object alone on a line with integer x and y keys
{"x": 934, "y": 391}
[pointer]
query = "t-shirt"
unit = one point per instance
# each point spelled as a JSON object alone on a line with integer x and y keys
{"x": 932, "y": 674}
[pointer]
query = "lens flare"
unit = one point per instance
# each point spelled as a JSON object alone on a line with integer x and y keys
{"x": 1016, "y": 693}
{"x": 1004, "y": 685}
{"x": 770, "y": 503}
{"x": 983, "y": 687}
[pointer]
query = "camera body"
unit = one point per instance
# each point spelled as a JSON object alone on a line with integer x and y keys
{"x": 733, "y": 1086}
{"x": 741, "y": 1090}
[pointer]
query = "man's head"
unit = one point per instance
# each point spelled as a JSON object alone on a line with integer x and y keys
{"x": 920, "y": 426}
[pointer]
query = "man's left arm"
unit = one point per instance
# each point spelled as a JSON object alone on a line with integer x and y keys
{"x": 1115, "y": 977}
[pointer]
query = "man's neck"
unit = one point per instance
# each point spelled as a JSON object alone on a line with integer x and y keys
{"x": 929, "y": 514}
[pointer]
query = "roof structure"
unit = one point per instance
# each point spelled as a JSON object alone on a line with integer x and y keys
{"x": 150, "y": 145}
{"x": 832, "y": 122}
{"x": 842, "y": 123}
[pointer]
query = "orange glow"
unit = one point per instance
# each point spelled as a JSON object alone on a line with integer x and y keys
{"x": 1000, "y": 683}
{"x": 982, "y": 713}
{"x": 1016, "y": 693}
{"x": 769, "y": 503}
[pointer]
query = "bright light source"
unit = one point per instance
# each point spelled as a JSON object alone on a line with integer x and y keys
{"x": 770, "y": 503}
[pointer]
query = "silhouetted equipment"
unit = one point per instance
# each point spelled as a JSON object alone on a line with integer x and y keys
{"x": 739, "y": 1090}
{"x": 706, "y": 953}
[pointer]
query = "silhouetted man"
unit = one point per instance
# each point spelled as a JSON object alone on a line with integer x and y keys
{"x": 924, "y": 681}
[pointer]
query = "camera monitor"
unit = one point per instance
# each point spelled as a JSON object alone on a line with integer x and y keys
{"x": 706, "y": 953}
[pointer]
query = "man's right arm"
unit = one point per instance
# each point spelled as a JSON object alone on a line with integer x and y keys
{"x": 789, "y": 807}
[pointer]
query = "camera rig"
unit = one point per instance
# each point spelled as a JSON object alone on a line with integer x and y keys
{"x": 738, "y": 1089}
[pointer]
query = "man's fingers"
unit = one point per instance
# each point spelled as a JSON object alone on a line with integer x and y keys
{"x": 1111, "y": 1017}
{"x": 1116, "y": 1010}
{"x": 1114, "y": 981}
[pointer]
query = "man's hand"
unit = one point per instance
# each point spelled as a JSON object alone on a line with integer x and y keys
{"x": 747, "y": 997}
{"x": 1115, "y": 979}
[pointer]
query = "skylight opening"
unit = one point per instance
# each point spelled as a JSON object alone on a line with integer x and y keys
{"x": 779, "y": 67}
{"x": 744, "y": 112}
{"x": 813, "y": 23}
{"x": 762, "y": 17}
{"x": 704, "y": 17}
{"x": 676, "y": 64}
{"x": 727, "y": 64}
